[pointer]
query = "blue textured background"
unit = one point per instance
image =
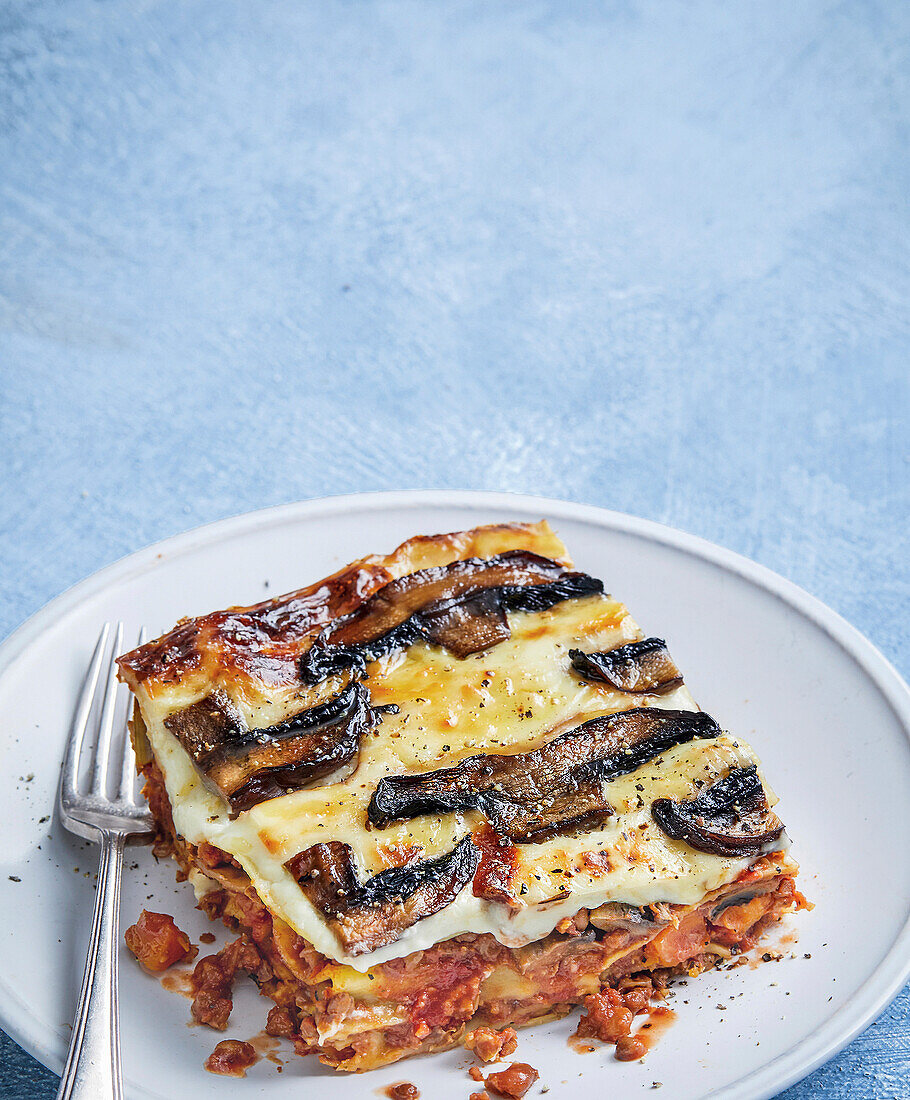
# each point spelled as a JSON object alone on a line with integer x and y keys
{"x": 652, "y": 256}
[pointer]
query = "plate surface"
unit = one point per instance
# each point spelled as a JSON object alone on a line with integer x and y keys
{"x": 828, "y": 715}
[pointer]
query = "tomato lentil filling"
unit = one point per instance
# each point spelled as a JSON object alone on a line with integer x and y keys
{"x": 491, "y": 1046}
{"x": 157, "y": 942}
{"x": 465, "y": 990}
{"x": 512, "y": 1082}
{"x": 231, "y": 1058}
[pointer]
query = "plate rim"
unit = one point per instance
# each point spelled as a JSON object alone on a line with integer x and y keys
{"x": 881, "y": 986}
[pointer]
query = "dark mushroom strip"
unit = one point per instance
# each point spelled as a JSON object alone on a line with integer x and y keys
{"x": 643, "y": 667}
{"x": 742, "y": 897}
{"x": 205, "y": 725}
{"x": 615, "y": 916}
{"x": 461, "y": 606}
{"x": 729, "y": 818}
{"x": 559, "y": 785}
{"x": 247, "y": 766}
{"x": 577, "y": 803}
{"x": 369, "y": 915}
{"x": 619, "y": 927}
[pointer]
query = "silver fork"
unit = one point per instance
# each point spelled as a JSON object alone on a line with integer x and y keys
{"x": 92, "y": 1070}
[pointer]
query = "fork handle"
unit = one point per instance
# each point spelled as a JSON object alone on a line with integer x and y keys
{"x": 92, "y": 1070}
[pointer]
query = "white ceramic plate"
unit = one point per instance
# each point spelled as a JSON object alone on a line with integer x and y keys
{"x": 828, "y": 715}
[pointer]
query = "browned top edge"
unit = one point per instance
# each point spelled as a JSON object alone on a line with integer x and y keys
{"x": 264, "y": 640}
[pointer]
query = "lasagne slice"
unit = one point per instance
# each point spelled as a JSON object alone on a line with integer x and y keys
{"x": 449, "y": 788}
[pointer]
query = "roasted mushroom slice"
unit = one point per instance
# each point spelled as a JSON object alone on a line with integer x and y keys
{"x": 461, "y": 606}
{"x": 643, "y": 667}
{"x": 737, "y": 898}
{"x": 369, "y": 915}
{"x": 616, "y": 916}
{"x": 559, "y": 785}
{"x": 729, "y": 818}
{"x": 205, "y": 725}
{"x": 619, "y": 925}
{"x": 247, "y": 766}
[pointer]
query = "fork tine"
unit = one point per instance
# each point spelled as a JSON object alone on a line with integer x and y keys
{"x": 128, "y": 766}
{"x": 106, "y": 723}
{"x": 70, "y": 774}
